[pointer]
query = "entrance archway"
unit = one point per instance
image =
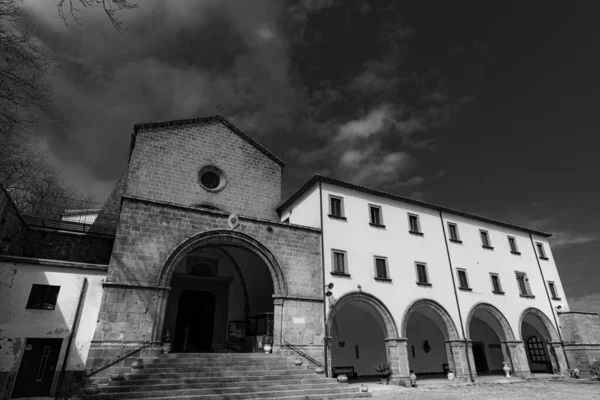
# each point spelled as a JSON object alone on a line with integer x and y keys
{"x": 428, "y": 328}
{"x": 359, "y": 325}
{"x": 489, "y": 331}
{"x": 537, "y": 332}
{"x": 222, "y": 285}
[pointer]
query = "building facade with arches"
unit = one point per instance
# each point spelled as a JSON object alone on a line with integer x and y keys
{"x": 208, "y": 258}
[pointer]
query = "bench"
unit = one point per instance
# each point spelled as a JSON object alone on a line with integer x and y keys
{"x": 348, "y": 371}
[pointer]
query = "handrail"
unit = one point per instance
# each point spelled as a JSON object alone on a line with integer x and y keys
{"x": 119, "y": 359}
{"x": 303, "y": 354}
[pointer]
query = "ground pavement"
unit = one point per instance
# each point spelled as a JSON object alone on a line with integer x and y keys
{"x": 522, "y": 390}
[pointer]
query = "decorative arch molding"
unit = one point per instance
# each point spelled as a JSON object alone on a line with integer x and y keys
{"x": 450, "y": 332}
{"x": 391, "y": 330}
{"x": 543, "y": 319}
{"x": 224, "y": 238}
{"x": 506, "y": 335}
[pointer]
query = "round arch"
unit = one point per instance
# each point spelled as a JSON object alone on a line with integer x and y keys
{"x": 225, "y": 238}
{"x": 450, "y": 333}
{"x": 543, "y": 319}
{"x": 391, "y": 330}
{"x": 506, "y": 333}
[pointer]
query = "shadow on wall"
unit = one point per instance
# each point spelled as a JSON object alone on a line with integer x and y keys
{"x": 37, "y": 308}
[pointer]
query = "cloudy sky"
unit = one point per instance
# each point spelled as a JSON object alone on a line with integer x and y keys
{"x": 485, "y": 106}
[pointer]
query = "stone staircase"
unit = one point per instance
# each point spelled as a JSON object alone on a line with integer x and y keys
{"x": 221, "y": 376}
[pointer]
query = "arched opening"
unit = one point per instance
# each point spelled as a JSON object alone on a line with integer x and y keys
{"x": 358, "y": 326}
{"x": 221, "y": 299}
{"x": 427, "y": 327}
{"x": 537, "y": 332}
{"x": 488, "y": 329}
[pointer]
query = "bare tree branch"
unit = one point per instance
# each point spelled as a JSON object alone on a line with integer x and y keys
{"x": 110, "y": 8}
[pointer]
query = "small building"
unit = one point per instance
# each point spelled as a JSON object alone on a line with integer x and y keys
{"x": 195, "y": 248}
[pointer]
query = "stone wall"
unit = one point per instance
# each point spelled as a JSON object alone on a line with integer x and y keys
{"x": 67, "y": 246}
{"x": 581, "y": 337}
{"x": 165, "y": 164}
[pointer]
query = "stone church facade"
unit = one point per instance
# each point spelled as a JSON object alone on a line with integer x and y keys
{"x": 205, "y": 256}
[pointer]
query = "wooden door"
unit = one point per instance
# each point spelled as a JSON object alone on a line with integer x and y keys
{"x": 37, "y": 368}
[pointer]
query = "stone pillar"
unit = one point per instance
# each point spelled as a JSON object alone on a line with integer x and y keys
{"x": 277, "y": 323}
{"x": 460, "y": 356}
{"x": 557, "y": 355}
{"x": 517, "y": 358}
{"x": 397, "y": 351}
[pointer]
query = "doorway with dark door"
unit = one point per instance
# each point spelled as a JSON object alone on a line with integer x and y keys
{"x": 37, "y": 368}
{"x": 195, "y": 322}
{"x": 481, "y": 364}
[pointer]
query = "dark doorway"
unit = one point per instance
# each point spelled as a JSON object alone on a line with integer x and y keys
{"x": 481, "y": 365}
{"x": 195, "y": 320}
{"x": 537, "y": 355}
{"x": 38, "y": 365}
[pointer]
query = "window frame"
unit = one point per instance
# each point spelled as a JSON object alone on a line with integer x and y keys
{"x": 387, "y": 269}
{"x": 37, "y": 289}
{"x": 417, "y": 232}
{"x": 553, "y": 291}
{"x": 483, "y": 233}
{"x": 460, "y": 286}
{"x": 344, "y": 253}
{"x": 342, "y": 214}
{"x": 380, "y": 211}
{"x": 499, "y": 289}
{"x": 523, "y": 276}
{"x": 456, "y": 238}
{"x": 541, "y": 251}
{"x": 426, "y": 282}
{"x": 512, "y": 245}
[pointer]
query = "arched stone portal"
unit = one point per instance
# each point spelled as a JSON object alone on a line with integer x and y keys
{"x": 382, "y": 341}
{"x": 493, "y": 342}
{"x": 227, "y": 279}
{"x": 542, "y": 343}
{"x": 432, "y": 340}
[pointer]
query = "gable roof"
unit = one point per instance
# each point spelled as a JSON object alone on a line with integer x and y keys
{"x": 188, "y": 121}
{"x": 318, "y": 178}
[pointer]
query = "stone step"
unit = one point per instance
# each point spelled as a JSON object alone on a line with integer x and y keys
{"x": 200, "y": 360}
{"x": 169, "y": 384}
{"x": 273, "y": 379}
{"x": 318, "y": 393}
{"x": 184, "y": 373}
{"x": 212, "y": 367}
{"x": 241, "y": 387}
{"x": 222, "y": 355}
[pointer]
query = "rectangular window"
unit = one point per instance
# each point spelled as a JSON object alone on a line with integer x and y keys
{"x": 553, "y": 292}
{"x": 463, "y": 282}
{"x": 523, "y": 282}
{"x": 381, "y": 270}
{"x": 485, "y": 239}
{"x": 541, "y": 251}
{"x": 43, "y": 297}
{"x": 453, "y": 232}
{"x": 336, "y": 206}
{"x": 512, "y": 242}
{"x": 339, "y": 262}
{"x": 422, "y": 273}
{"x": 413, "y": 224}
{"x": 375, "y": 215}
{"x": 496, "y": 287}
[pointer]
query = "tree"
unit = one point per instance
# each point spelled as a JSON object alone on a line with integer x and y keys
{"x": 24, "y": 64}
{"x": 110, "y": 8}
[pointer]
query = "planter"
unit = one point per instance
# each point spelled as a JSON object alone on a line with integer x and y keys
{"x": 506, "y": 369}
{"x": 450, "y": 376}
{"x": 166, "y": 348}
{"x": 342, "y": 378}
{"x": 117, "y": 377}
{"x": 364, "y": 388}
{"x": 267, "y": 348}
{"x": 137, "y": 364}
{"x": 413, "y": 379}
{"x": 91, "y": 389}
{"x": 298, "y": 361}
{"x": 319, "y": 370}
{"x": 384, "y": 381}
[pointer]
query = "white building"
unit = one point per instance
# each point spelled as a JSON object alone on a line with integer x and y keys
{"x": 437, "y": 281}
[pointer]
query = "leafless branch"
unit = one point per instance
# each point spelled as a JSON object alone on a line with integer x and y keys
{"x": 110, "y": 8}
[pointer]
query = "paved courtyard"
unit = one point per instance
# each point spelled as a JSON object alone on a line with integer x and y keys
{"x": 530, "y": 390}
